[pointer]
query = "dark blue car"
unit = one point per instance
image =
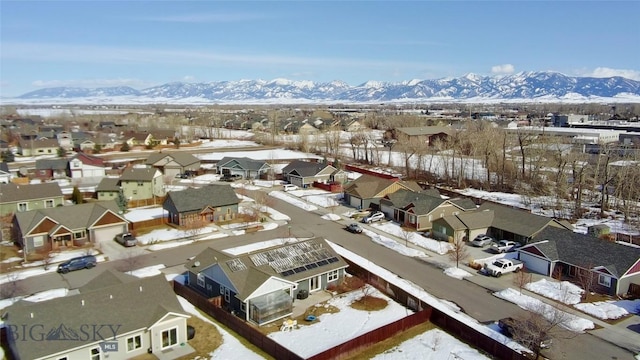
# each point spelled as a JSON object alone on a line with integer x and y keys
{"x": 77, "y": 263}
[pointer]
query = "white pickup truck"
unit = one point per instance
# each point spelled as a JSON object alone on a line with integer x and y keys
{"x": 503, "y": 266}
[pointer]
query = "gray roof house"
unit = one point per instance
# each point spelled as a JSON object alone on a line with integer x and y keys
{"x": 63, "y": 227}
{"x": 212, "y": 203}
{"x": 465, "y": 225}
{"x": 47, "y": 169}
{"x": 417, "y": 210}
{"x": 247, "y": 168}
{"x": 141, "y": 183}
{"x": 18, "y": 198}
{"x": 607, "y": 267}
{"x": 260, "y": 286}
{"x": 111, "y": 317}
{"x": 367, "y": 190}
{"x": 108, "y": 189}
{"x": 174, "y": 163}
{"x": 305, "y": 173}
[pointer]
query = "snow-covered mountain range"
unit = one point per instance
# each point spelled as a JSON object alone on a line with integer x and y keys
{"x": 543, "y": 86}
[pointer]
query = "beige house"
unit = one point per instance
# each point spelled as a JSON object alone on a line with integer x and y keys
{"x": 141, "y": 183}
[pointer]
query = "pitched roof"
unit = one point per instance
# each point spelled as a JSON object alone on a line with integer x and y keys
{"x": 78, "y": 216}
{"x": 426, "y": 130}
{"x": 89, "y": 159}
{"x": 248, "y": 271}
{"x": 516, "y": 221}
{"x": 39, "y": 143}
{"x": 123, "y": 304}
{"x": 52, "y": 164}
{"x": 193, "y": 199}
{"x": 464, "y": 203}
{"x": 138, "y": 174}
{"x": 182, "y": 158}
{"x": 108, "y": 184}
{"x": 584, "y": 250}
{"x": 368, "y": 186}
{"x": 476, "y": 219}
{"x": 304, "y": 168}
{"x": 12, "y": 192}
{"x": 422, "y": 203}
{"x": 244, "y": 162}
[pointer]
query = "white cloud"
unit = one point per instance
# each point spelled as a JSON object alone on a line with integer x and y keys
{"x": 136, "y": 83}
{"x": 605, "y": 72}
{"x": 189, "y": 78}
{"x": 503, "y": 69}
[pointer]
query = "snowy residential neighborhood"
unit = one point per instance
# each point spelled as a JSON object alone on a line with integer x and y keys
{"x": 255, "y": 251}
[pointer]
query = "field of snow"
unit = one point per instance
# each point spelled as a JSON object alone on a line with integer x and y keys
{"x": 169, "y": 234}
{"x": 563, "y": 291}
{"x": 604, "y": 310}
{"x": 457, "y": 273}
{"x": 439, "y": 247}
{"x": 226, "y": 143}
{"x": 393, "y": 245}
{"x": 292, "y": 200}
{"x": 275, "y": 154}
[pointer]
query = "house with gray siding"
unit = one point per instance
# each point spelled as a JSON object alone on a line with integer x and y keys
{"x": 260, "y": 286}
{"x": 16, "y": 198}
{"x": 211, "y": 203}
{"x": 243, "y": 166}
{"x": 174, "y": 163}
{"x": 305, "y": 173}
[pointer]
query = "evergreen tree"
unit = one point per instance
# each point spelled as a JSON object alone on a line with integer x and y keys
{"x": 8, "y": 156}
{"x": 121, "y": 201}
{"x": 61, "y": 152}
{"x": 125, "y": 147}
{"x": 97, "y": 148}
{"x": 76, "y": 196}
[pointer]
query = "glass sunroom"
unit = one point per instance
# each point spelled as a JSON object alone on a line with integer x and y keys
{"x": 270, "y": 307}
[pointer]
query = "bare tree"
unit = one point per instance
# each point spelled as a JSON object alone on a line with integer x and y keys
{"x": 11, "y": 288}
{"x": 458, "y": 251}
{"x": 193, "y": 227}
{"x": 131, "y": 260}
{"x": 522, "y": 278}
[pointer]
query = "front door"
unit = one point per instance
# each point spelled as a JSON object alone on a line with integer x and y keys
{"x": 314, "y": 283}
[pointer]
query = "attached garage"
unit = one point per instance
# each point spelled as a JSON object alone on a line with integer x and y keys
{"x": 107, "y": 232}
{"x": 534, "y": 263}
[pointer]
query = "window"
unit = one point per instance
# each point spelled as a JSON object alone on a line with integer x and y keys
{"x": 412, "y": 219}
{"x": 604, "y": 280}
{"x": 79, "y": 235}
{"x": 332, "y": 276}
{"x": 314, "y": 283}
{"x": 227, "y": 295}
{"x": 62, "y": 358}
{"x": 48, "y": 203}
{"x": 134, "y": 343}
{"x": 38, "y": 241}
{"x": 169, "y": 337}
{"x": 243, "y": 307}
{"x": 95, "y": 353}
{"x": 200, "y": 280}
{"x": 22, "y": 207}
{"x": 140, "y": 183}
{"x": 135, "y": 192}
{"x": 221, "y": 290}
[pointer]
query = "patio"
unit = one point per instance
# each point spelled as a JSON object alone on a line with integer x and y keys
{"x": 301, "y": 306}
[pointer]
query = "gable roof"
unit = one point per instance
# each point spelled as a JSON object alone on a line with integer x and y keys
{"x": 305, "y": 168}
{"x": 12, "y": 192}
{"x": 108, "y": 185}
{"x": 517, "y": 221}
{"x": 138, "y": 174}
{"x": 426, "y": 130}
{"x": 124, "y": 304}
{"x": 78, "y": 216}
{"x": 181, "y": 158}
{"x": 88, "y": 159}
{"x": 422, "y": 203}
{"x": 244, "y": 162}
{"x": 586, "y": 251}
{"x": 39, "y": 143}
{"x": 248, "y": 271}
{"x": 368, "y": 186}
{"x": 193, "y": 199}
{"x": 51, "y": 164}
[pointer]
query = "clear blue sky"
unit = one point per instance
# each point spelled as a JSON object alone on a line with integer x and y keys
{"x": 141, "y": 44}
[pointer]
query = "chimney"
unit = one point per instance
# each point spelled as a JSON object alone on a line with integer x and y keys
{"x": 82, "y": 302}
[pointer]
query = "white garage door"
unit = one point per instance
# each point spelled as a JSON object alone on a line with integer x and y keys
{"x": 535, "y": 264}
{"x": 355, "y": 202}
{"x": 107, "y": 233}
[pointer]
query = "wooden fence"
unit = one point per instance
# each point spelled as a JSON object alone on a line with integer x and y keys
{"x": 370, "y": 172}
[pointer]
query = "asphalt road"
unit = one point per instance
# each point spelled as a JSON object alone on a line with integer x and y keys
{"x": 475, "y": 300}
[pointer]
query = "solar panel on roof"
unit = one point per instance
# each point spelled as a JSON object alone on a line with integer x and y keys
{"x": 288, "y": 273}
{"x": 300, "y": 269}
{"x": 323, "y": 262}
{"x": 332, "y": 260}
{"x": 311, "y": 266}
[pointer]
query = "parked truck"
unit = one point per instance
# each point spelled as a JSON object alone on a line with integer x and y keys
{"x": 503, "y": 266}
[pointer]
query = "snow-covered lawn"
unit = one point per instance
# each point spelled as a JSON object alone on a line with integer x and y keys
{"x": 570, "y": 322}
{"x": 332, "y": 329}
{"x": 431, "y": 345}
{"x": 439, "y": 247}
{"x": 332, "y": 217}
{"x": 325, "y": 201}
{"x": 271, "y": 155}
{"x": 603, "y": 309}
{"x": 393, "y": 245}
{"x": 457, "y": 273}
{"x": 563, "y": 291}
{"x": 148, "y": 271}
{"x": 146, "y": 213}
{"x": 293, "y": 200}
{"x": 231, "y": 348}
{"x": 169, "y": 234}
{"x": 226, "y": 143}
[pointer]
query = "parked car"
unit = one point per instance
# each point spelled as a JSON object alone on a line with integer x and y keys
{"x": 503, "y": 266}
{"x": 377, "y": 216}
{"x": 231, "y": 177}
{"x": 182, "y": 176}
{"x": 289, "y": 187}
{"x": 77, "y": 263}
{"x": 126, "y": 239}
{"x": 503, "y": 246}
{"x": 509, "y": 326}
{"x": 354, "y": 228}
{"x": 482, "y": 240}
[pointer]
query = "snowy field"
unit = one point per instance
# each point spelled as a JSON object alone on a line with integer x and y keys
{"x": 293, "y": 200}
{"x": 438, "y": 247}
{"x": 393, "y": 244}
{"x": 275, "y": 154}
{"x": 563, "y": 291}
{"x": 226, "y": 143}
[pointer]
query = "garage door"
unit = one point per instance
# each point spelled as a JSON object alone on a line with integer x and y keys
{"x": 107, "y": 233}
{"x": 355, "y": 202}
{"x": 535, "y": 264}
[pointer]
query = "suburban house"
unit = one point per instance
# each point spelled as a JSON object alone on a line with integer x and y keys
{"x": 305, "y": 173}
{"x": 603, "y": 266}
{"x": 518, "y": 224}
{"x": 247, "y": 168}
{"x": 5, "y": 173}
{"x": 425, "y": 135}
{"x": 260, "y": 286}
{"x": 368, "y": 190}
{"x": 307, "y": 130}
{"x": 47, "y": 169}
{"x": 465, "y": 225}
{"x": 211, "y": 203}
{"x": 108, "y": 189}
{"x": 141, "y": 183}
{"x": 417, "y": 210}
{"x": 138, "y": 139}
{"x": 65, "y": 140}
{"x": 75, "y": 225}
{"x": 113, "y": 310}
{"x": 19, "y": 198}
{"x": 83, "y": 165}
{"x": 172, "y": 164}
{"x": 35, "y": 147}
{"x": 162, "y": 136}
